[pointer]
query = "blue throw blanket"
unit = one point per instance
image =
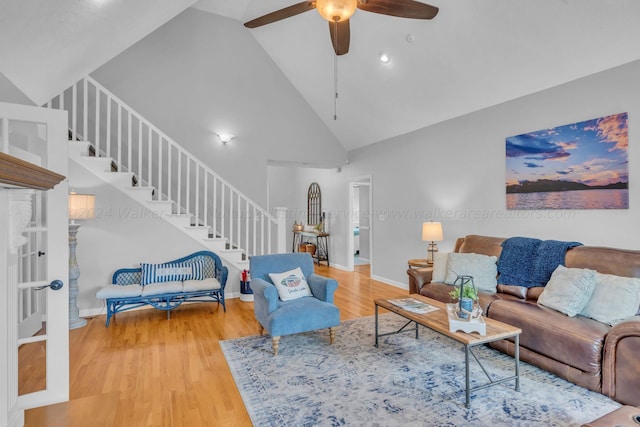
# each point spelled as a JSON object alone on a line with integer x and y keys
{"x": 529, "y": 262}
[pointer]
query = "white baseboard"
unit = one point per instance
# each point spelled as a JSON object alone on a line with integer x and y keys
{"x": 338, "y": 266}
{"x": 400, "y": 285}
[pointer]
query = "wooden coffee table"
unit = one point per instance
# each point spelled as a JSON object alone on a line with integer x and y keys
{"x": 438, "y": 321}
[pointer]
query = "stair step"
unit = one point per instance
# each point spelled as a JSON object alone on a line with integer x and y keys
{"x": 119, "y": 179}
{"x": 216, "y": 243}
{"x": 180, "y": 220}
{"x": 234, "y": 254}
{"x": 142, "y": 194}
{"x": 97, "y": 165}
{"x": 197, "y": 231}
{"x": 163, "y": 207}
{"x": 78, "y": 149}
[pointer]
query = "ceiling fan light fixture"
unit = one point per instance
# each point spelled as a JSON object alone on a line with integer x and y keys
{"x": 336, "y": 10}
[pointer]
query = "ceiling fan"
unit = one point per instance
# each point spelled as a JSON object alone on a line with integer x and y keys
{"x": 338, "y": 12}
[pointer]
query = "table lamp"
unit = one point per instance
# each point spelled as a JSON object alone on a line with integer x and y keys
{"x": 431, "y": 232}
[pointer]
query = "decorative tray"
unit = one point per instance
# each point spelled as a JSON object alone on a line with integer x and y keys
{"x": 474, "y": 322}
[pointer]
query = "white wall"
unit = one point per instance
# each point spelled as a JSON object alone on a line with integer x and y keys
{"x": 11, "y": 93}
{"x": 202, "y": 73}
{"x": 288, "y": 187}
{"x": 454, "y": 172}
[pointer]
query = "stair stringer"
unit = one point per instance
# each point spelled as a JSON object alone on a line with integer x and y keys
{"x": 122, "y": 181}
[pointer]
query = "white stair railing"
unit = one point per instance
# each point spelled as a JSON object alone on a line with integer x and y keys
{"x": 135, "y": 145}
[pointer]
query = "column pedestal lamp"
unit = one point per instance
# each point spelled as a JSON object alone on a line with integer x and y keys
{"x": 81, "y": 206}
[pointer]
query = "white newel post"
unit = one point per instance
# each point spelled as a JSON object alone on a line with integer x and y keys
{"x": 281, "y": 218}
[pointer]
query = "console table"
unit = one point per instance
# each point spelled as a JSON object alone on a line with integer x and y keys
{"x": 321, "y": 240}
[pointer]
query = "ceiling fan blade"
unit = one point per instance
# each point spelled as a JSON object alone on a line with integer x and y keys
{"x": 340, "y": 36}
{"x": 278, "y": 15}
{"x": 399, "y": 8}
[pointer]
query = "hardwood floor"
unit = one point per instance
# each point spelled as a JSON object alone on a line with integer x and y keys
{"x": 145, "y": 370}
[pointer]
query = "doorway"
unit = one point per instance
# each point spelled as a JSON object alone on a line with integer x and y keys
{"x": 360, "y": 232}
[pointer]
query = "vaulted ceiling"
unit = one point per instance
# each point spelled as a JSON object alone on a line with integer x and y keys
{"x": 474, "y": 54}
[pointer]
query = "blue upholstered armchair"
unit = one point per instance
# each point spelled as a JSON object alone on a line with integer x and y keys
{"x": 304, "y": 314}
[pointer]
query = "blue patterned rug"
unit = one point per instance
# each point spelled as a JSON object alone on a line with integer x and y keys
{"x": 404, "y": 382}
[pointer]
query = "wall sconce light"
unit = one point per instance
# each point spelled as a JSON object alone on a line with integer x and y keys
{"x": 384, "y": 58}
{"x": 225, "y": 137}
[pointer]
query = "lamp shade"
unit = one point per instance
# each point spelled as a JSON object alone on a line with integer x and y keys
{"x": 336, "y": 10}
{"x": 432, "y": 231}
{"x": 81, "y": 206}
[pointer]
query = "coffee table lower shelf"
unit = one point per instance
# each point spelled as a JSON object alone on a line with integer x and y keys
{"x": 438, "y": 321}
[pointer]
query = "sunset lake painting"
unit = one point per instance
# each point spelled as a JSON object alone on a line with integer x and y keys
{"x": 579, "y": 166}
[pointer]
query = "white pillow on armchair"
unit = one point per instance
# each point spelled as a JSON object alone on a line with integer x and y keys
{"x": 291, "y": 284}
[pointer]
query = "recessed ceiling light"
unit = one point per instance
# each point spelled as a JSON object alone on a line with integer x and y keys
{"x": 385, "y": 58}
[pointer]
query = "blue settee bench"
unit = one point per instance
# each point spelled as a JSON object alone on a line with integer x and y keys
{"x": 199, "y": 277}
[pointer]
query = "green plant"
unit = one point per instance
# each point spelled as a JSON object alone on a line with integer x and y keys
{"x": 468, "y": 291}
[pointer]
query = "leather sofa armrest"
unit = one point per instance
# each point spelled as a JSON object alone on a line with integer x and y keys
{"x": 418, "y": 277}
{"x": 620, "y": 366}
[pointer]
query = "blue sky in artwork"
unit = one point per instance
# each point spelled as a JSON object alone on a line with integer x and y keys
{"x": 593, "y": 152}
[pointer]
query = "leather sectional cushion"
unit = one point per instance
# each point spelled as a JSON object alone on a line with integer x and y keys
{"x": 576, "y": 342}
{"x": 534, "y": 293}
{"x": 516, "y": 291}
{"x": 484, "y": 245}
{"x": 437, "y": 291}
{"x": 620, "y": 262}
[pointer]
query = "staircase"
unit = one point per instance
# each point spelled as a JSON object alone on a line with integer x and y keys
{"x": 125, "y": 150}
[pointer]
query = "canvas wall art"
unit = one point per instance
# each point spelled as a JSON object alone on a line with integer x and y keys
{"x": 578, "y": 166}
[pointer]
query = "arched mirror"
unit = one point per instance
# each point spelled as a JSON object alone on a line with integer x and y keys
{"x": 314, "y": 204}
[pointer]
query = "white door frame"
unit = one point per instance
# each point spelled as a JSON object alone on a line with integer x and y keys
{"x": 353, "y": 182}
{"x": 57, "y": 253}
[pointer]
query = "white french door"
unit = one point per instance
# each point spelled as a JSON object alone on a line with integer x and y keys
{"x": 38, "y": 334}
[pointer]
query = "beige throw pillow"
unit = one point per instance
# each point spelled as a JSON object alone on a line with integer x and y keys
{"x": 440, "y": 260}
{"x": 569, "y": 290}
{"x": 482, "y": 268}
{"x": 614, "y": 299}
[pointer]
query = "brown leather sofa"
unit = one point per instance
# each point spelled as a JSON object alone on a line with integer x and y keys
{"x": 581, "y": 350}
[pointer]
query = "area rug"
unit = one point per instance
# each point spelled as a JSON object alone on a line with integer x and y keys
{"x": 404, "y": 382}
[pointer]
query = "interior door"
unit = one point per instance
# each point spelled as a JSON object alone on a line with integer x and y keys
{"x": 360, "y": 191}
{"x": 39, "y": 135}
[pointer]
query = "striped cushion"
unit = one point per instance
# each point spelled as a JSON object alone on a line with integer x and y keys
{"x": 171, "y": 272}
